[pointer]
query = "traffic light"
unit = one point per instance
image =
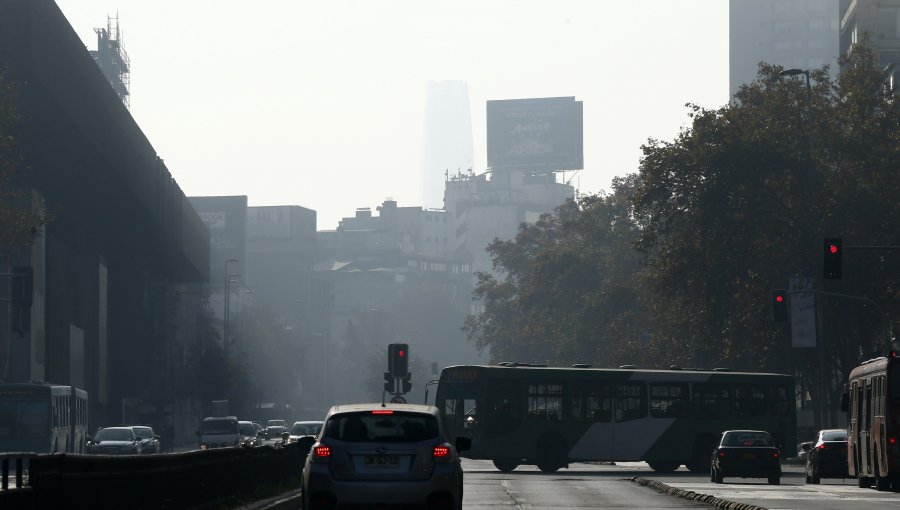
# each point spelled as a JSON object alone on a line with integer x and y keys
{"x": 388, "y": 382}
{"x": 780, "y": 305}
{"x": 398, "y": 360}
{"x": 407, "y": 383}
{"x": 833, "y": 251}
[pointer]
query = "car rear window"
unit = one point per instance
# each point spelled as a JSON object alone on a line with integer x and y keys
{"x": 749, "y": 439}
{"x": 219, "y": 427}
{"x": 834, "y": 435}
{"x": 396, "y": 427}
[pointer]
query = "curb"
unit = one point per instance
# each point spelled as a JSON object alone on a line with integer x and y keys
{"x": 709, "y": 499}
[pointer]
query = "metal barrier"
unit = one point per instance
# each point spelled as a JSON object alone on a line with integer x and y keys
{"x": 198, "y": 479}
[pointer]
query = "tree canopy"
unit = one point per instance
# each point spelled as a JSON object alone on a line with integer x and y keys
{"x": 677, "y": 263}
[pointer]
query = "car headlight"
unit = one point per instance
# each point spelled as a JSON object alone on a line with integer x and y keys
{"x": 204, "y": 446}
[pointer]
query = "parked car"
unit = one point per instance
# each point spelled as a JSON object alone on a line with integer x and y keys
{"x": 114, "y": 441}
{"x": 250, "y": 436}
{"x": 746, "y": 454}
{"x": 148, "y": 439}
{"x": 827, "y": 457}
{"x": 383, "y": 455}
{"x": 304, "y": 433}
{"x": 218, "y": 432}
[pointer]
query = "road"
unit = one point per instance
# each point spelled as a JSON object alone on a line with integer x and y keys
{"x": 604, "y": 486}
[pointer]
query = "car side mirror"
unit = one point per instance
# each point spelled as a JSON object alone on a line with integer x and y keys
{"x": 845, "y": 402}
{"x": 463, "y": 444}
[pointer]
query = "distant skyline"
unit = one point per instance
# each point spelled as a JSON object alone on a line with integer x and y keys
{"x": 448, "y": 145}
{"x": 321, "y": 104}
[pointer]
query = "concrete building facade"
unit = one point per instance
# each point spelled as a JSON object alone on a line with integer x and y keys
{"x": 880, "y": 21}
{"x": 791, "y": 33}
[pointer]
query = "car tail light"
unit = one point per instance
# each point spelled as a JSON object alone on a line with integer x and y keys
{"x": 823, "y": 446}
{"x": 775, "y": 455}
{"x": 383, "y": 411}
{"x": 721, "y": 454}
{"x": 441, "y": 453}
{"x": 321, "y": 453}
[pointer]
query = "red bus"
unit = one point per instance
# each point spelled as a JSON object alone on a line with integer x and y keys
{"x": 873, "y": 455}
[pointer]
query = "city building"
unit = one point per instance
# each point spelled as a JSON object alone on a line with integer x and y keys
{"x": 800, "y": 34}
{"x": 447, "y": 137}
{"x": 880, "y": 21}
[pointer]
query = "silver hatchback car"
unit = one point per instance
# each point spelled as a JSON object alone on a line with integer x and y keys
{"x": 377, "y": 455}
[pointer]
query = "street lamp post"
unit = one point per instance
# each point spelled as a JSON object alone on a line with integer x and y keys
{"x": 809, "y": 122}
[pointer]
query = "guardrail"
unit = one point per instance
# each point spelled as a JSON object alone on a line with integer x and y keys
{"x": 198, "y": 479}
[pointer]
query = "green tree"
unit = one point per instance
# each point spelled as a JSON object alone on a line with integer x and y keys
{"x": 564, "y": 290}
{"x": 21, "y": 215}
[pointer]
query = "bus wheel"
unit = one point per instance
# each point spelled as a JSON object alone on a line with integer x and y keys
{"x": 551, "y": 453}
{"x": 699, "y": 462}
{"x": 506, "y": 465}
{"x": 663, "y": 466}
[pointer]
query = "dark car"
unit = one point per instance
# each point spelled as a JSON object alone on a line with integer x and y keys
{"x": 746, "y": 454}
{"x": 115, "y": 441}
{"x": 827, "y": 457}
{"x": 148, "y": 439}
{"x": 275, "y": 429}
{"x": 376, "y": 455}
{"x": 304, "y": 433}
{"x": 250, "y": 436}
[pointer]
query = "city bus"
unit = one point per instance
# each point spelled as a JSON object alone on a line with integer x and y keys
{"x": 43, "y": 418}
{"x": 873, "y": 456}
{"x": 549, "y": 416}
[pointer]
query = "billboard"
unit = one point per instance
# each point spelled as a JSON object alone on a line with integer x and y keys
{"x": 540, "y": 135}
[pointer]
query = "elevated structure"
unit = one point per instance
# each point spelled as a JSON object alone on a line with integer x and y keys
{"x": 112, "y": 59}
{"x": 108, "y": 312}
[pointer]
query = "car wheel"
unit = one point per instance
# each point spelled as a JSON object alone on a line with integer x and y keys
{"x": 720, "y": 477}
{"x": 663, "y": 466}
{"x": 882, "y": 483}
{"x": 775, "y": 480}
{"x": 814, "y": 476}
{"x": 552, "y": 453}
{"x": 506, "y": 465}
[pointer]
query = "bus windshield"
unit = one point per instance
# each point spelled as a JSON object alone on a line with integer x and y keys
{"x": 24, "y": 418}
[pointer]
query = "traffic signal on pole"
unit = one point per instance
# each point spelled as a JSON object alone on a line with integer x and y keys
{"x": 833, "y": 251}
{"x": 398, "y": 360}
{"x": 780, "y": 305}
{"x": 407, "y": 383}
{"x": 388, "y": 382}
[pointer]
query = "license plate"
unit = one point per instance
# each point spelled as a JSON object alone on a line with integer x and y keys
{"x": 381, "y": 461}
{"x": 749, "y": 455}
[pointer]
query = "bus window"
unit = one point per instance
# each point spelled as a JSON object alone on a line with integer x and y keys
{"x": 668, "y": 400}
{"x": 749, "y": 400}
{"x": 545, "y": 402}
{"x": 590, "y": 403}
{"x": 711, "y": 401}
{"x": 779, "y": 401}
{"x": 630, "y": 401}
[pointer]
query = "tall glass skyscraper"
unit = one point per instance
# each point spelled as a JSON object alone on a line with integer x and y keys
{"x": 448, "y": 138}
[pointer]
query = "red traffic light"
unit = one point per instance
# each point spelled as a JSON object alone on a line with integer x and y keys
{"x": 402, "y": 353}
{"x": 833, "y": 248}
{"x": 779, "y": 298}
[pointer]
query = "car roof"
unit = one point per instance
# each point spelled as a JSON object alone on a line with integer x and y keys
{"x": 746, "y": 431}
{"x": 355, "y": 408}
{"x": 118, "y": 428}
{"x": 308, "y": 422}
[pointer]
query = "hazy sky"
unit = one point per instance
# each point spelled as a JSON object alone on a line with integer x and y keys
{"x": 321, "y": 104}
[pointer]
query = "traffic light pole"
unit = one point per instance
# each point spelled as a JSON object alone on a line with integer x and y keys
{"x": 866, "y": 299}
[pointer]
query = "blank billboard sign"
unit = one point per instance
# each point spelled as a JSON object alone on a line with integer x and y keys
{"x": 540, "y": 135}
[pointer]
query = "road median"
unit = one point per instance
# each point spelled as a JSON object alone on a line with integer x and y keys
{"x": 709, "y": 499}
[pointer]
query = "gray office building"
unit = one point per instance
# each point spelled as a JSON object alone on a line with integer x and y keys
{"x": 791, "y": 33}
